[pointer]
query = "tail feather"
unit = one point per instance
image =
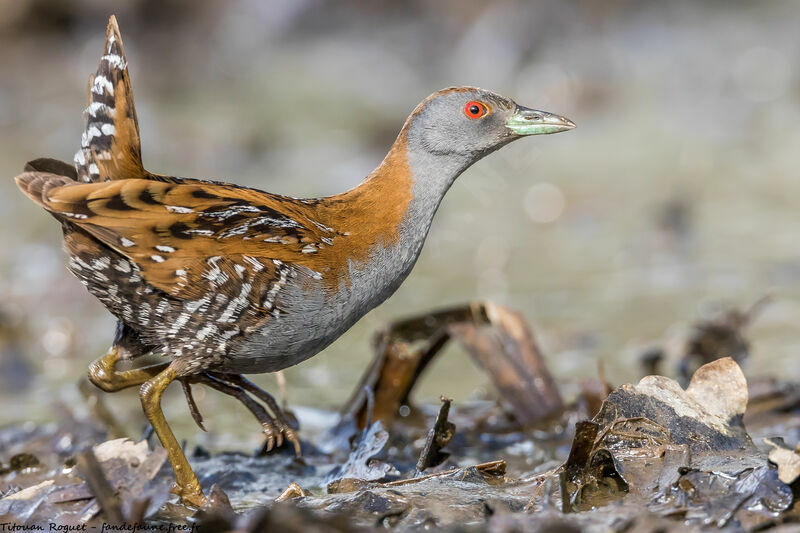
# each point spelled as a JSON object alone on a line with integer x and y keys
{"x": 37, "y": 185}
{"x": 110, "y": 146}
{"x": 53, "y": 166}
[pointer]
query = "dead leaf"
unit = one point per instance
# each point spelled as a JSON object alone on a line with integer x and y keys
{"x": 715, "y": 474}
{"x": 705, "y": 416}
{"x": 292, "y": 491}
{"x": 361, "y": 464}
{"x": 787, "y": 459}
{"x": 440, "y": 434}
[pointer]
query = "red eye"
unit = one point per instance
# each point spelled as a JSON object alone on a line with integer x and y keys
{"x": 475, "y": 109}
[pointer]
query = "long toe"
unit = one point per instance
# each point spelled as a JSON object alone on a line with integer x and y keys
{"x": 194, "y": 499}
{"x": 269, "y": 433}
{"x": 190, "y": 496}
{"x": 291, "y": 436}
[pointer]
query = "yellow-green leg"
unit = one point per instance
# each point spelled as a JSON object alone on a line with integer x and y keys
{"x": 103, "y": 372}
{"x": 188, "y": 488}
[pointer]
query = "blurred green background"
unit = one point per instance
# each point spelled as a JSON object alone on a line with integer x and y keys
{"x": 676, "y": 195}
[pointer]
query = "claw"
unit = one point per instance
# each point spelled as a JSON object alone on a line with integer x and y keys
{"x": 269, "y": 431}
{"x": 291, "y": 436}
{"x": 187, "y": 391}
{"x": 277, "y": 429}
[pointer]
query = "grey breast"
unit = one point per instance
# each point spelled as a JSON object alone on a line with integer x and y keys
{"x": 312, "y": 319}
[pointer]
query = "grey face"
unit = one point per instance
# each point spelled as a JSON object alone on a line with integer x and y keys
{"x": 473, "y": 122}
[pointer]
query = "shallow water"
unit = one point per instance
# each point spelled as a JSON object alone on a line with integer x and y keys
{"x": 676, "y": 194}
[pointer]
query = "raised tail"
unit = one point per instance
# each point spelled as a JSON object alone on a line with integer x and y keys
{"x": 110, "y": 146}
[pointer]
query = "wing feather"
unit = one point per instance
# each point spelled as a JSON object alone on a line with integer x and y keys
{"x": 189, "y": 237}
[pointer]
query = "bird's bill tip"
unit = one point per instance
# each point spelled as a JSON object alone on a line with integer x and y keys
{"x": 526, "y": 121}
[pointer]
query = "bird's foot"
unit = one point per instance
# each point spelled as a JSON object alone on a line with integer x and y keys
{"x": 276, "y": 428}
{"x": 191, "y": 495}
{"x": 276, "y": 431}
{"x": 286, "y": 427}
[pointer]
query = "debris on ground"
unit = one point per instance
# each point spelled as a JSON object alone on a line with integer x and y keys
{"x": 686, "y": 452}
{"x": 722, "y": 335}
{"x": 510, "y": 356}
{"x": 499, "y": 341}
{"x": 439, "y": 435}
{"x": 292, "y": 491}
{"x": 651, "y": 456}
{"x": 362, "y": 465}
{"x": 117, "y": 478}
{"x": 786, "y": 458}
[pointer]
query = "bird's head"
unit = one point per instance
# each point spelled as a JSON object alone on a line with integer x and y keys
{"x": 471, "y": 122}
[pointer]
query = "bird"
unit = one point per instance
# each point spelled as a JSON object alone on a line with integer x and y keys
{"x": 223, "y": 280}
